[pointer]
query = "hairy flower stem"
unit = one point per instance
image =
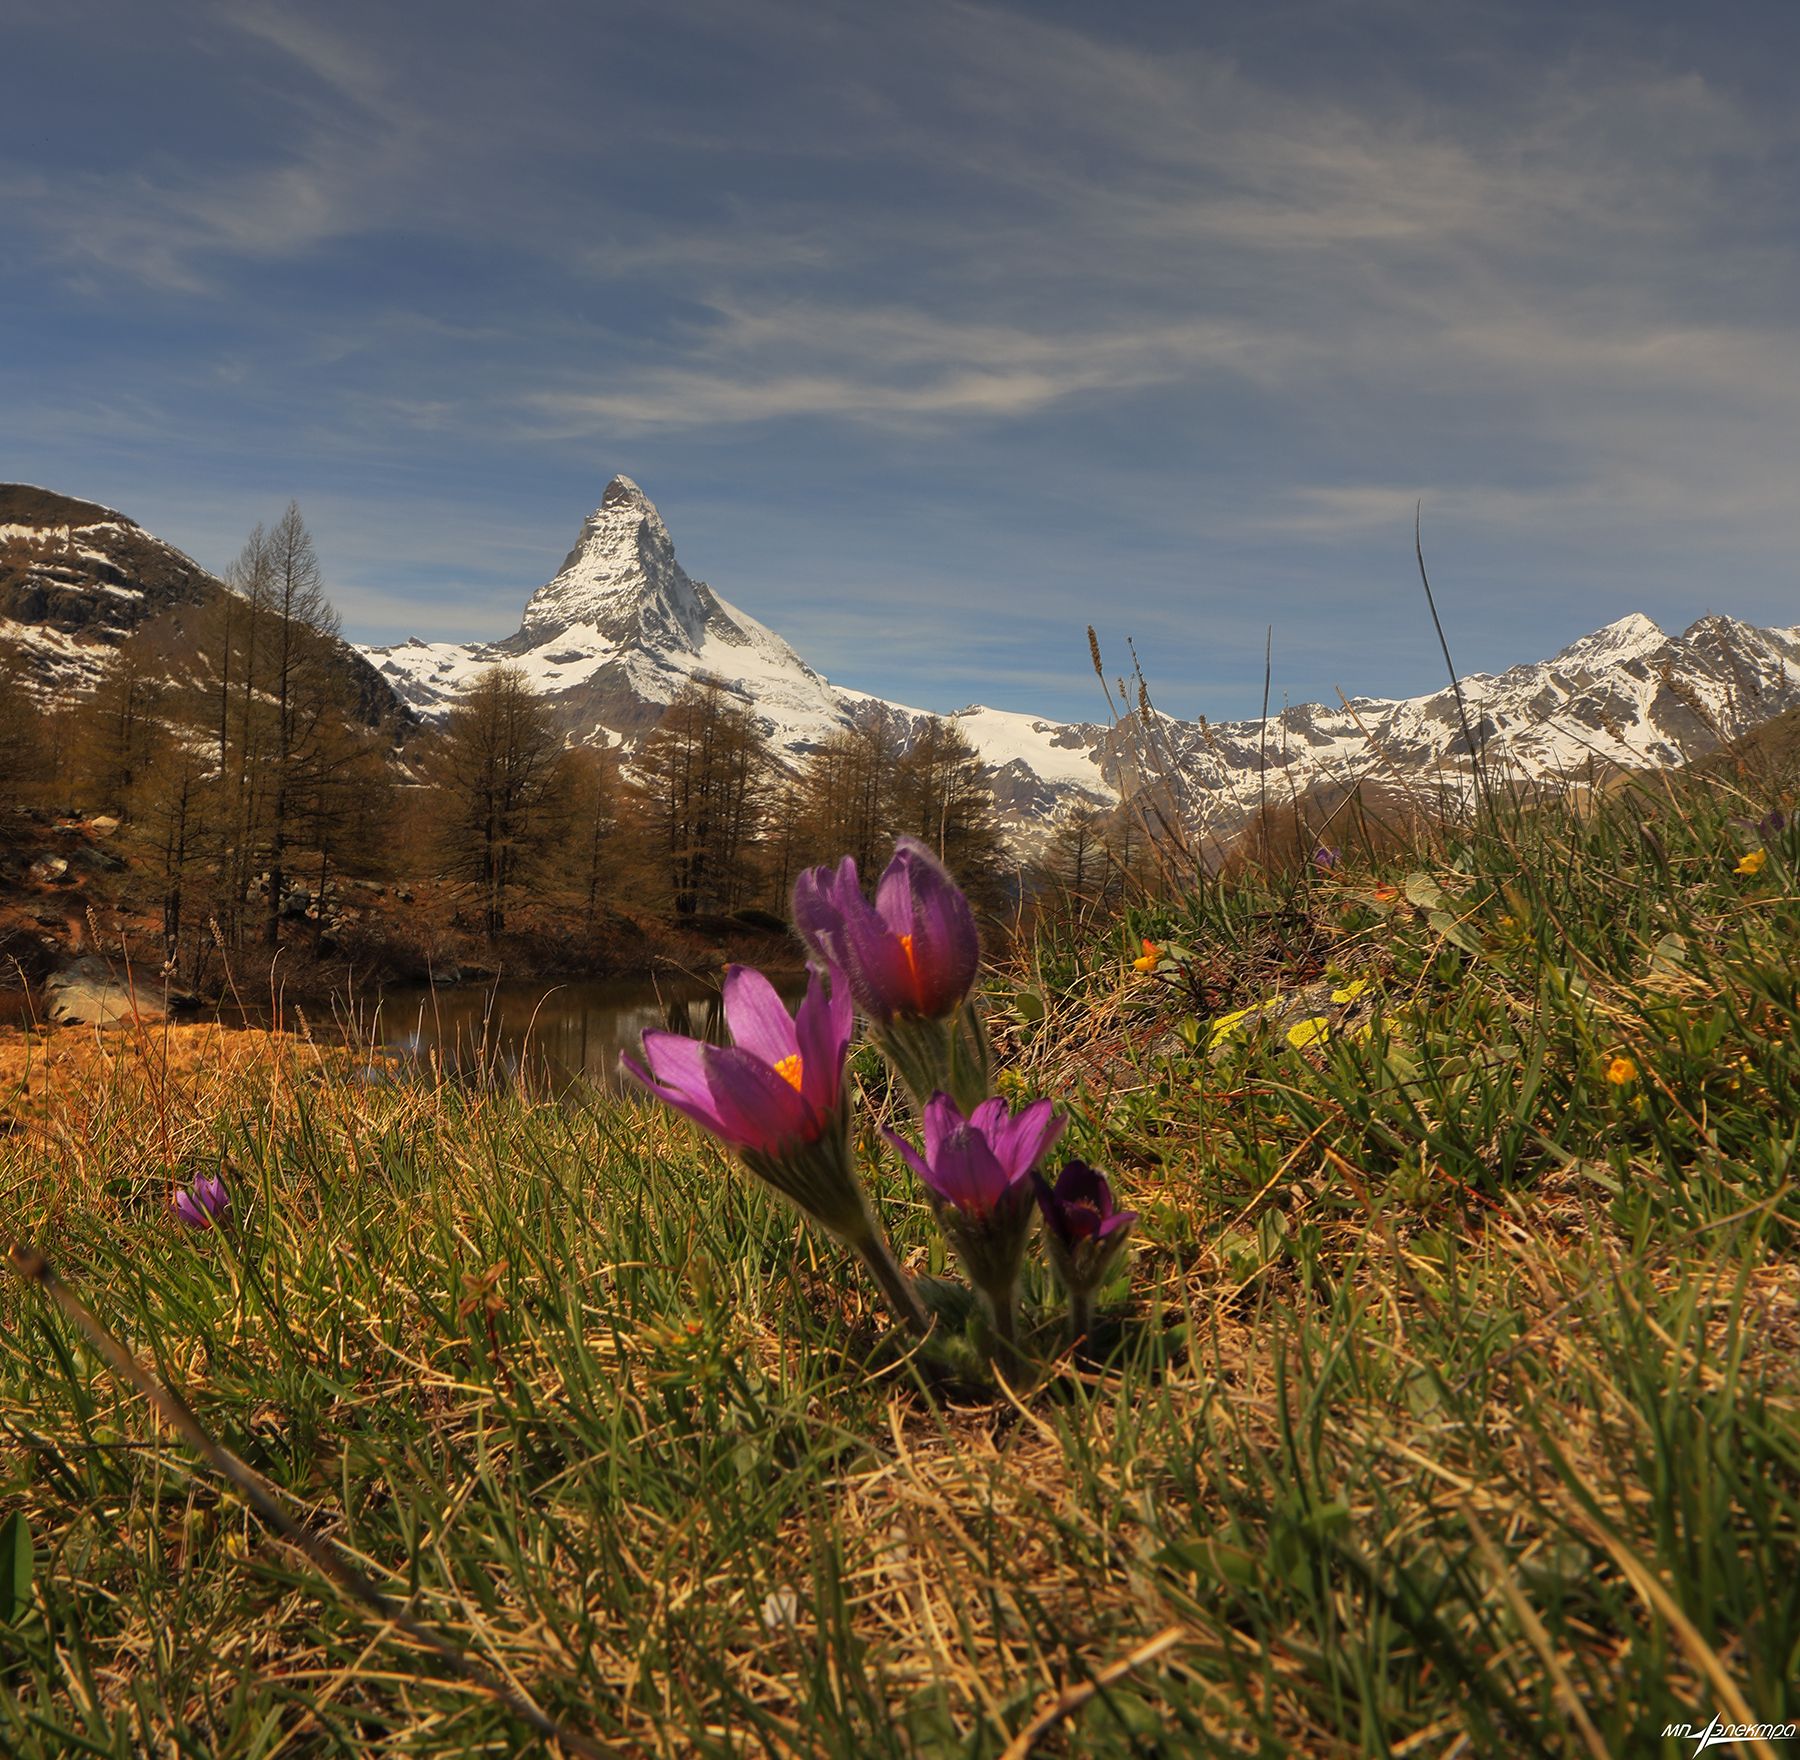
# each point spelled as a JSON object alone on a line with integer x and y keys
{"x": 950, "y": 1056}
{"x": 1003, "y": 1312}
{"x": 819, "y": 1179}
{"x": 1081, "y": 1314}
{"x": 902, "y": 1297}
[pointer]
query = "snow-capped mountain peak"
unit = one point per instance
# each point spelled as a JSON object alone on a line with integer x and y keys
{"x": 1631, "y": 637}
{"x": 621, "y": 580}
{"x": 616, "y": 632}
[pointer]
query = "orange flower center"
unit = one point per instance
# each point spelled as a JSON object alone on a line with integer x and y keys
{"x": 912, "y": 965}
{"x": 789, "y": 1071}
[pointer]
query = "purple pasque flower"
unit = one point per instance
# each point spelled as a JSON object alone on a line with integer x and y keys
{"x": 1080, "y": 1207}
{"x": 779, "y": 1084}
{"x": 910, "y": 960}
{"x": 1326, "y": 857}
{"x": 977, "y": 1170}
{"x": 203, "y": 1202}
{"x": 776, "y": 1095}
{"x": 1085, "y": 1232}
{"x": 913, "y": 952}
{"x": 979, "y": 1163}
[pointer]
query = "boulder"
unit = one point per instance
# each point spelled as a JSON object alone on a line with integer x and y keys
{"x": 89, "y": 994}
{"x": 48, "y": 868}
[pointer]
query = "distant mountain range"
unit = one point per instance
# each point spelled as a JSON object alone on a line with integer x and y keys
{"x": 621, "y": 627}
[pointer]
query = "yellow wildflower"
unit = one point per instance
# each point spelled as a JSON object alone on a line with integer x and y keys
{"x": 1752, "y": 863}
{"x": 1621, "y": 1072}
{"x": 1148, "y": 959}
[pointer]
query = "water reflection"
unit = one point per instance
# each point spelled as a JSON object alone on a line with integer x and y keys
{"x": 545, "y": 1036}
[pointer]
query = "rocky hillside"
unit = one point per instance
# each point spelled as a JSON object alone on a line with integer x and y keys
{"x": 620, "y": 627}
{"x": 77, "y": 578}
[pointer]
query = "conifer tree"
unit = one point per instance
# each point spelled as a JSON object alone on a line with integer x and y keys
{"x": 845, "y": 800}
{"x": 501, "y": 783}
{"x": 704, "y": 778}
{"x": 303, "y": 629}
{"x": 941, "y": 796}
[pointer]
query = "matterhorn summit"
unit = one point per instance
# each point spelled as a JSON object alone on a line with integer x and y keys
{"x": 621, "y": 580}
{"x": 617, "y": 632}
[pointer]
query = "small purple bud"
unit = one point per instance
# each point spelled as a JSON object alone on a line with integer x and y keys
{"x": 1085, "y": 1232}
{"x": 1326, "y": 857}
{"x": 203, "y": 1202}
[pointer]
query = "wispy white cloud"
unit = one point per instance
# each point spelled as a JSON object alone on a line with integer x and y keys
{"x": 884, "y": 364}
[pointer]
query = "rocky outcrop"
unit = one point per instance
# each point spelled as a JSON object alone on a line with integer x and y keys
{"x": 90, "y": 993}
{"x": 77, "y": 578}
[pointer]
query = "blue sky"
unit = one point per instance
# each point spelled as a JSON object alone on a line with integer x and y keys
{"x": 937, "y": 331}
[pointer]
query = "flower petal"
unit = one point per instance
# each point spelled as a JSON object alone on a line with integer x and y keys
{"x": 946, "y": 944}
{"x": 676, "y": 1061}
{"x": 881, "y": 975}
{"x": 757, "y": 1108}
{"x": 942, "y": 1116}
{"x": 819, "y": 896}
{"x": 822, "y": 1029}
{"x": 841, "y": 928}
{"x": 758, "y": 1018}
{"x": 965, "y": 1171}
{"x": 1020, "y": 1142}
{"x": 699, "y": 1107}
{"x": 910, "y": 1155}
{"x": 918, "y": 898}
{"x": 1055, "y": 1212}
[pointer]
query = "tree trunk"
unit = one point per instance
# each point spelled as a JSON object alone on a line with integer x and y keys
{"x": 319, "y": 902}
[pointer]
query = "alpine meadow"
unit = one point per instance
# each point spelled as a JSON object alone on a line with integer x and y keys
{"x": 1117, "y": 1077}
